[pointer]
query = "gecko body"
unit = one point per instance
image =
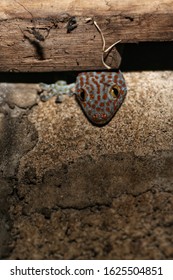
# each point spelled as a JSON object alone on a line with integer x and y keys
{"x": 57, "y": 89}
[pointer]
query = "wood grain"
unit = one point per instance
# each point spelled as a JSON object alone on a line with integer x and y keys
{"x": 33, "y": 34}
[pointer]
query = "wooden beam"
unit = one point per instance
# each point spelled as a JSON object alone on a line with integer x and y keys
{"x": 56, "y": 35}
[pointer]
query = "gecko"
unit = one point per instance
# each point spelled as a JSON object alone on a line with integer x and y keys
{"x": 100, "y": 94}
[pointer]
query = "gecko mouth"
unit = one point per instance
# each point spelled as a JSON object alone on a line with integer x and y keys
{"x": 100, "y": 119}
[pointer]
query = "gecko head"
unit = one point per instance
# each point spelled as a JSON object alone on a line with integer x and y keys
{"x": 100, "y": 95}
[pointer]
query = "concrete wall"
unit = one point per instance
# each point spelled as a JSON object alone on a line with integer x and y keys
{"x": 91, "y": 192}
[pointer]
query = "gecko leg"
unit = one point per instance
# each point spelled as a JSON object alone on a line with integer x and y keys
{"x": 58, "y": 89}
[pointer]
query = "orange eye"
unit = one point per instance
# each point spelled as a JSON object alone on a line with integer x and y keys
{"x": 82, "y": 95}
{"x": 115, "y": 92}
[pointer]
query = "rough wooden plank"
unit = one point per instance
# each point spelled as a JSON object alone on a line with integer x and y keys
{"x": 34, "y": 33}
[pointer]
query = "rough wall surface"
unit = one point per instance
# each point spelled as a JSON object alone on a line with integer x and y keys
{"x": 76, "y": 191}
{"x": 49, "y": 35}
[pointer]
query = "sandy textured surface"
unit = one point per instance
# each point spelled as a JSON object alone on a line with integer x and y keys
{"x": 77, "y": 191}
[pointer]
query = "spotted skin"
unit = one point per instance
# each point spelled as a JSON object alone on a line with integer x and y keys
{"x": 100, "y": 94}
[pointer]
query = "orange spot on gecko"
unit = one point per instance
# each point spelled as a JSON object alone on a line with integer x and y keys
{"x": 115, "y": 79}
{"x": 92, "y": 87}
{"x": 102, "y": 80}
{"x": 87, "y": 79}
{"x": 105, "y": 96}
{"x": 104, "y": 116}
{"x": 98, "y": 89}
{"x": 81, "y": 81}
{"x": 98, "y": 109}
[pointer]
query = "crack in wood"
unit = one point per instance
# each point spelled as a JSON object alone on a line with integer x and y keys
{"x": 130, "y": 18}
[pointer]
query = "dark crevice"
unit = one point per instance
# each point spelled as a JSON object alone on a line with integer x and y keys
{"x": 147, "y": 56}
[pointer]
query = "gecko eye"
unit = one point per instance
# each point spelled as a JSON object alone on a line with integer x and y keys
{"x": 82, "y": 95}
{"x": 114, "y": 92}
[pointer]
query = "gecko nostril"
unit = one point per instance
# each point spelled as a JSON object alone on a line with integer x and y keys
{"x": 95, "y": 116}
{"x": 99, "y": 116}
{"x": 104, "y": 116}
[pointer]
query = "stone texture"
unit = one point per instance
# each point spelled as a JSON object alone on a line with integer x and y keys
{"x": 5, "y": 239}
{"x": 142, "y": 126}
{"x": 85, "y": 192}
{"x": 17, "y": 138}
{"x": 19, "y": 95}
